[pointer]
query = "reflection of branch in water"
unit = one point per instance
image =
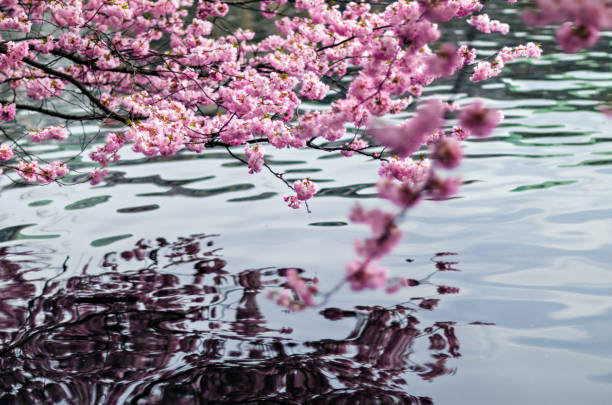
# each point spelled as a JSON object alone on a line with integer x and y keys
{"x": 168, "y": 324}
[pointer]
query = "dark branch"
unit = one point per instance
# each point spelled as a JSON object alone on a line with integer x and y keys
{"x": 71, "y": 117}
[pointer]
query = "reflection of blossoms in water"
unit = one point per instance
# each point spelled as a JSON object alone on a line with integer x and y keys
{"x": 165, "y": 322}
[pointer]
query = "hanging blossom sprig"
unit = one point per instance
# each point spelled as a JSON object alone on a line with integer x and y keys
{"x": 485, "y": 70}
{"x": 483, "y": 23}
{"x": 405, "y": 182}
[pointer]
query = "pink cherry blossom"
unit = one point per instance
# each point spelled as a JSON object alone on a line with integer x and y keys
{"x": 293, "y": 202}
{"x": 312, "y": 87}
{"x": 405, "y": 170}
{"x": 29, "y": 171}
{"x": 572, "y": 38}
{"x": 52, "y": 171}
{"x": 15, "y": 52}
{"x": 445, "y": 61}
{"x": 479, "y": 121}
{"x": 447, "y": 153}
{"x": 402, "y": 194}
{"x": 304, "y": 189}
{"x": 58, "y": 132}
{"x": 486, "y": 70}
{"x": 107, "y": 153}
{"x": 256, "y": 158}
{"x": 606, "y": 109}
{"x": 386, "y": 234}
{"x": 483, "y": 23}
{"x": 6, "y": 152}
{"x": 38, "y": 89}
{"x": 442, "y": 189}
{"x": 97, "y": 175}
{"x": 349, "y": 150}
{"x": 7, "y": 112}
{"x": 410, "y": 136}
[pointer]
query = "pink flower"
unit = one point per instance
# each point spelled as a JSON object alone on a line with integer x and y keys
{"x": 7, "y": 112}
{"x": 405, "y": 170}
{"x": 444, "y": 62}
{"x": 380, "y": 244}
{"x": 442, "y": 189}
{"x": 377, "y": 219}
{"x": 380, "y": 104}
{"x": 529, "y": 50}
{"x": 28, "y": 171}
{"x": 447, "y": 152}
{"x": 293, "y": 202}
{"x": 573, "y": 38}
{"x": 408, "y": 138}
{"x": 384, "y": 48}
{"x": 57, "y": 132}
{"x": 15, "y": 52}
{"x": 440, "y": 10}
{"x": 484, "y": 24}
{"x": 52, "y": 171}
{"x": 97, "y": 175}
{"x": 365, "y": 275}
{"x": 38, "y": 89}
{"x": 210, "y": 9}
{"x": 466, "y": 55}
{"x": 483, "y": 71}
{"x": 349, "y": 149}
{"x": 402, "y": 194}
{"x": 104, "y": 154}
{"x": 386, "y": 233}
{"x": 6, "y": 152}
{"x": 256, "y": 158}
{"x": 304, "y": 189}
{"x": 312, "y": 87}
{"x": 479, "y": 121}
{"x": 459, "y": 133}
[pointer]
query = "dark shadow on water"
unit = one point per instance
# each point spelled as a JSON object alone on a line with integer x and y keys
{"x": 165, "y": 322}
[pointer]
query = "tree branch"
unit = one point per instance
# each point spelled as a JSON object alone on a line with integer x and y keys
{"x": 71, "y": 117}
{"x": 75, "y": 82}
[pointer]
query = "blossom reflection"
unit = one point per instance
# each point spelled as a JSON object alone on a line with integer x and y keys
{"x": 165, "y": 322}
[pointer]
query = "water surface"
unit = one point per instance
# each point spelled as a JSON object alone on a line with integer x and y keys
{"x": 151, "y": 288}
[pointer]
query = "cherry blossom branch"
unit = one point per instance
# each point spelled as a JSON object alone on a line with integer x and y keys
{"x": 94, "y": 100}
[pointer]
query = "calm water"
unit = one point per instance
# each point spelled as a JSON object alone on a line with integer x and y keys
{"x": 151, "y": 288}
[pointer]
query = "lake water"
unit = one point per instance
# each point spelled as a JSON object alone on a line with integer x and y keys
{"x": 151, "y": 288}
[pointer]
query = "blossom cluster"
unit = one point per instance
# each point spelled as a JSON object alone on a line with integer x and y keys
{"x": 32, "y": 172}
{"x": 483, "y": 23}
{"x": 406, "y": 181}
{"x": 485, "y": 70}
{"x": 7, "y": 112}
{"x": 304, "y": 190}
{"x": 55, "y": 132}
{"x": 256, "y": 87}
{"x": 581, "y": 21}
